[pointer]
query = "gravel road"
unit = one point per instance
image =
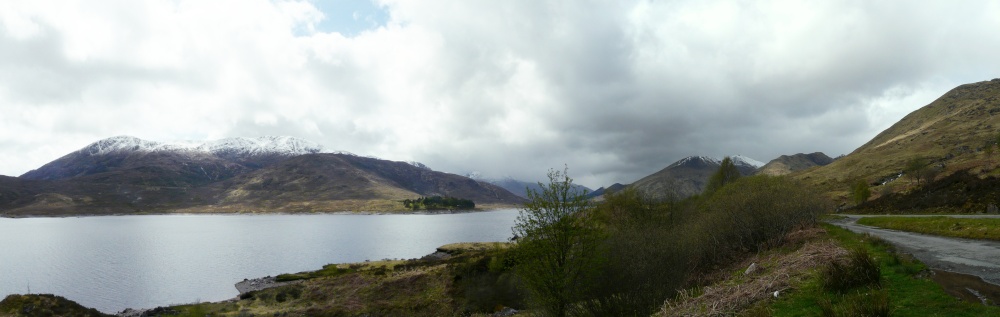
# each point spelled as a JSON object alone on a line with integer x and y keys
{"x": 974, "y": 257}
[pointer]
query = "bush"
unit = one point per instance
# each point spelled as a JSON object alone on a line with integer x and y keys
{"x": 861, "y": 270}
{"x": 646, "y": 258}
{"x": 752, "y": 214}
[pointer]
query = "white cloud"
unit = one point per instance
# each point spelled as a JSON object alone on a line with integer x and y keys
{"x": 616, "y": 90}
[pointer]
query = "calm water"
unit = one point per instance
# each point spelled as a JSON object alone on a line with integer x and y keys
{"x": 115, "y": 262}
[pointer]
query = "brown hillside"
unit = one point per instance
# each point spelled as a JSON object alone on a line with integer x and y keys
{"x": 787, "y": 164}
{"x": 333, "y": 182}
{"x": 949, "y": 133}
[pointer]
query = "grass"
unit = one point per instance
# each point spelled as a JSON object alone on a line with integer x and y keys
{"x": 904, "y": 291}
{"x": 44, "y": 305}
{"x": 430, "y": 286}
{"x": 981, "y": 228}
{"x": 332, "y": 270}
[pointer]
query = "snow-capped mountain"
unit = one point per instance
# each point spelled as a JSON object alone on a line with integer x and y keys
{"x": 743, "y": 160}
{"x": 179, "y": 163}
{"x": 738, "y": 160}
{"x": 688, "y": 176}
{"x": 268, "y": 145}
{"x": 127, "y": 175}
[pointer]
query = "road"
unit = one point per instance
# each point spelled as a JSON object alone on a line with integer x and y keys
{"x": 974, "y": 257}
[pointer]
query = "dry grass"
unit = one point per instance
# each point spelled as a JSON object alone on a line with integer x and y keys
{"x": 455, "y": 248}
{"x": 776, "y": 272}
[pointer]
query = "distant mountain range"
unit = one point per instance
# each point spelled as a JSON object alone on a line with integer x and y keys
{"x": 129, "y": 175}
{"x": 689, "y": 176}
{"x": 269, "y": 174}
{"x": 519, "y": 187}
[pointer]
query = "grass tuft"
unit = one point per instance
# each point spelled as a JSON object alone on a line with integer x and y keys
{"x": 861, "y": 270}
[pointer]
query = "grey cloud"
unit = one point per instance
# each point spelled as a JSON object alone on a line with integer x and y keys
{"x": 620, "y": 90}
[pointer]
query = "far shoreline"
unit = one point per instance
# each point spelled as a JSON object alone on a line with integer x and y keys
{"x": 285, "y": 213}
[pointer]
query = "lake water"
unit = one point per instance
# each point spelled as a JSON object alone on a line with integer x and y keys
{"x": 111, "y": 263}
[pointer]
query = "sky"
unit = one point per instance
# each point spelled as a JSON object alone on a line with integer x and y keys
{"x": 613, "y": 90}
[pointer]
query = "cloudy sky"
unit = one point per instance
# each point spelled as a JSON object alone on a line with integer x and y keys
{"x": 615, "y": 90}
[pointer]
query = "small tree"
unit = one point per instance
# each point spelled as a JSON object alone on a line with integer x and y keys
{"x": 726, "y": 174}
{"x": 861, "y": 192}
{"x": 915, "y": 169}
{"x": 557, "y": 244}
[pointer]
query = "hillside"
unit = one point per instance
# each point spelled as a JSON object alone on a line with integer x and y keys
{"x": 325, "y": 181}
{"x": 787, "y": 164}
{"x": 688, "y": 176}
{"x": 950, "y": 133}
{"x": 126, "y": 175}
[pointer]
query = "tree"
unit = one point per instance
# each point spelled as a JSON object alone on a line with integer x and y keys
{"x": 557, "y": 244}
{"x": 861, "y": 192}
{"x": 726, "y": 174}
{"x": 915, "y": 169}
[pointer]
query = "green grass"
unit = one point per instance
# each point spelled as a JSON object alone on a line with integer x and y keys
{"x": 982, "y": 228}
{"x": 903, "y": 292}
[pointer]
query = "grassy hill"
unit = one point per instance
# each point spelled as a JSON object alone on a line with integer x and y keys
{"x": 787, "y": 164}
{"x": 950, "y": 134}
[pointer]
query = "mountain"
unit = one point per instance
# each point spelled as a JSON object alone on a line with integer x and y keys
{"x": 786, "y": 164}
{"x": 688, "y": 176}
{"x": 130, "y": 160}
{"x": 518, "y": 187}
{"x": 326, "y": 181}
{"x": 130, "y": 175}
{"x": 950, "y": 134}
{"x": 606, "y": 190}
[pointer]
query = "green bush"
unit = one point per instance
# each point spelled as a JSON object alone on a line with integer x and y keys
{"x": 752, "y": 214}
{"x": 646, "y": 258}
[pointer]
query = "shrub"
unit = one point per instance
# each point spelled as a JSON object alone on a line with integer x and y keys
{"x": 752, "y": 214}
{"x": 646, "y": 258}
{"x": 860, "y": 270}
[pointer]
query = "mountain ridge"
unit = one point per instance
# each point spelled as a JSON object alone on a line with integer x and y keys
{"x": 121, "y": 175}
{"x": 688, "y": 176}
{"x": 787, "y": 164}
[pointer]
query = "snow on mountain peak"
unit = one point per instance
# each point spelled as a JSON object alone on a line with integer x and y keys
{"x": 268, "y": 145}
{"x": 695, "y": 158}
{"x": 282, "y": 145}
{"x": 419, "y": 165}
{"x": 737, "y": 159}
{"x": 747, "y": 161}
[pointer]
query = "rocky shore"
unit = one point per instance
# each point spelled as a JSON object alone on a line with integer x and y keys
{"x": 256, "y": 284}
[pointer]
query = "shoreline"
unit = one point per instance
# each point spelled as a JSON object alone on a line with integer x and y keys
{"x": 371, "y": 213}
{"x": 248, "y": 285}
